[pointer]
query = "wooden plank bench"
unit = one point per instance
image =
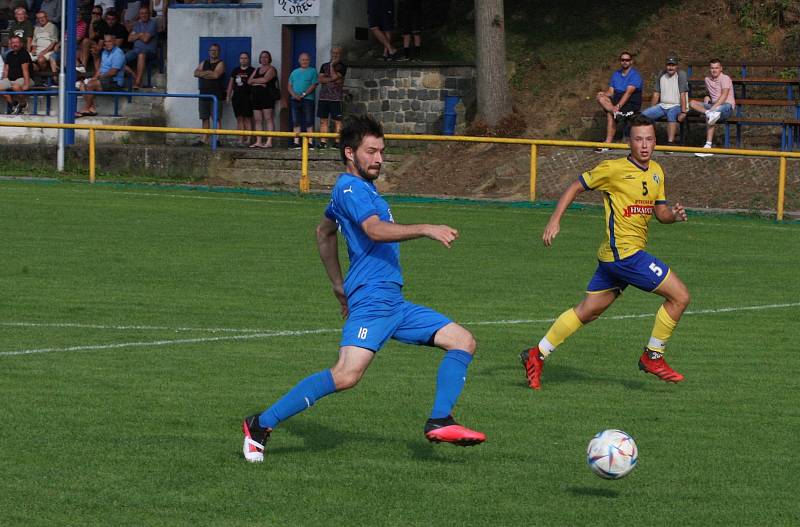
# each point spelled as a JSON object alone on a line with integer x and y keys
{"x": 788, "y": 126}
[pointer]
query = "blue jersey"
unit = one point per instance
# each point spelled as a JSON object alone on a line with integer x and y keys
{"x": 353, "y": 200}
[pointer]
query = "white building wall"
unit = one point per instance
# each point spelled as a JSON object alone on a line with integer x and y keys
{"x": 187, "y": 25}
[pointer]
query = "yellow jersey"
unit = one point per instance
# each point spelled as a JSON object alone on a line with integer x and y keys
{"x": 629, "y": 194}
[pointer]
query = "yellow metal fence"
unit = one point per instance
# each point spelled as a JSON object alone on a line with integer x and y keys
{"x": 305, "y": 137}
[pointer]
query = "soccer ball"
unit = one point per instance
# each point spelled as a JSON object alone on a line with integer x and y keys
{"x": 612, "y": 454}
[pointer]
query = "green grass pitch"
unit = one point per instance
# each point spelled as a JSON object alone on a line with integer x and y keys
{"x": 139, "y": 325}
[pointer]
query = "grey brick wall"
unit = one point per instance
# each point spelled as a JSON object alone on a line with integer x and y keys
{"x": 409, "y": 98}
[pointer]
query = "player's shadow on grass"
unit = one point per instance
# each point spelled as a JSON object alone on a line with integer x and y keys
{"x": 315, "y": 437}
{"x": 422, "y": 450}
{"x": 593, "y": 492}
{"x": 514, "y": 375}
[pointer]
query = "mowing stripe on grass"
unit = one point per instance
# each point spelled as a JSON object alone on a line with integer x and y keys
{"x": 297, "y": 333}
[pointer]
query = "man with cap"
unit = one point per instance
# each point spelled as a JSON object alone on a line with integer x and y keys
{"x": 670, "y": 98}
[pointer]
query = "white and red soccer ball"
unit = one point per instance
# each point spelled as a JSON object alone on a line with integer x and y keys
{"x": 612, "y": 454}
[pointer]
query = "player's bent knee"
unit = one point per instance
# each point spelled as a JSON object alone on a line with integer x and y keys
{"x": 344, "y": 380}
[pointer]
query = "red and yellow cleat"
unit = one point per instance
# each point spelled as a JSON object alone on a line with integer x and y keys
{"x": 653, "y": 362}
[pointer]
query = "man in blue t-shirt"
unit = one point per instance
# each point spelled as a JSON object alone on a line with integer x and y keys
{"x": 110, "y": 76}
{"x": 371, "y": 298}
{"x": 302, "y": 83}
{"x": 623, "y": 97}
{"x": 144, "y": 37}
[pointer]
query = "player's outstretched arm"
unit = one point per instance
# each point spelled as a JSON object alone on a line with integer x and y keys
{"x": 666, "y": 214}
{"x": 554, "y": 225}
{"x": 328, "y": 246}
{"x": 384, "y": 231}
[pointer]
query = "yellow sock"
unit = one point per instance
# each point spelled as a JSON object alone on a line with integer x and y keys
{"x": 662, "y": 330}
{"x": 565, "y": 325}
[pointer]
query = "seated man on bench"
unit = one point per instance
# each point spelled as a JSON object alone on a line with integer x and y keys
{"x": 718, "y": 105}
{"x": 670, "y": 98}
{"x": 44, "y": 46}
{"x": 110, "y": 77}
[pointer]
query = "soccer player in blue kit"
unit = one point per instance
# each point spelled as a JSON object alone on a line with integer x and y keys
{"x": 371, "y": 298}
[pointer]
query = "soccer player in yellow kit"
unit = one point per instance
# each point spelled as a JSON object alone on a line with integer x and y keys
{"x": 633, "y": 192}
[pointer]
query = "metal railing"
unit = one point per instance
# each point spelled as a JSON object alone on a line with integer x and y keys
{"x": 305, "y": 185}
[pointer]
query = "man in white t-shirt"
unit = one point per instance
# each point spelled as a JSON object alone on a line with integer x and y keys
{"x": 718, "y": 105}
{"x": 44, "y": 44}
{"x": 670, "y": 98}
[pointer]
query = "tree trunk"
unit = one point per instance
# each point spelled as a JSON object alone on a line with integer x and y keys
{"x": 494, "y": 101}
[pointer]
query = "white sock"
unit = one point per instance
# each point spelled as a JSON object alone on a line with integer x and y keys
{"x": 545, "y": 347}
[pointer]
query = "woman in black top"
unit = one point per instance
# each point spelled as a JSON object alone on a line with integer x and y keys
{"x": 239, "y": 96}
{"x": 264, "y": 83}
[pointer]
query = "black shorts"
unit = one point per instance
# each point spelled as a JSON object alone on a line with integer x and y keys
{"x": 262, "y": 100}
{"x": 332, "y": 109}
{"x": 409, "y": 17}
{"x": 630, "y": 105}
{"x": 242, "y": 107}
{"x": 108, "y": 84}
{"x": 204, "y": 108}
{"x": 380, "y": 14}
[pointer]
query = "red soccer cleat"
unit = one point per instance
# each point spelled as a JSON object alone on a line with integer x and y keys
{"x": 533, "y": 362}
{"x": 446, "y": 430}
{"x": 255, "y": 438}
{"x": 653, "y": 362}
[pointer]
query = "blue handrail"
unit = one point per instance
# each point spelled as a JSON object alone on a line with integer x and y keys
{"x": 34, "y": 93}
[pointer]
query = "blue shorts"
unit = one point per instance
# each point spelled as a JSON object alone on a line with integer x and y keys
{"x": 302, "y": 113}
{"x": 641, "y": 269}
{"x": 658, "y": 112}
{"x": 385, "y": 314}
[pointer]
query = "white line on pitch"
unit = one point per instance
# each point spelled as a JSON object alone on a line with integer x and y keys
{"x": 296, "y": 333}
{"x": 126, "y": 327}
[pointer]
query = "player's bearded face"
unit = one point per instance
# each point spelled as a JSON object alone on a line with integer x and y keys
{"x": 368, "y": 158}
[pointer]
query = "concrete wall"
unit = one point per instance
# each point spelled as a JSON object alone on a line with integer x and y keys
{"x": 187, "y": 25}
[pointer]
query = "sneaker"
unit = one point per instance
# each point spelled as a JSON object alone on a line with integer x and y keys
{"x": 295, "y": 146}
{"x": 712, "y": 116}
{"x": 21, "y": 108}
{"x": 653, "y": 362}
{"x": 322, "y": 146}
{"x": 703, "y": 154}
{"x": 14, "y": 109}
{"x": 601, "y": 149}
{"x": 80, "y": 69}
{"x": 446, "y": 430}
{"x": 311, "y": 146}
{"x": 534, "y": 363}
{"x": 255, "y": 438}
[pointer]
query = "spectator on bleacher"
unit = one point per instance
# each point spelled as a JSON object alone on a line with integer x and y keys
{"x": 410, "y": 18}
{"x": 105, "y": 5}
{"x": 211, "y": 73}
{"x": 623, "y": 97}
{"x": 302, "y": 83}
{"x": 109, "y": 25}
{"x": 331, "y": 93}
{"x": 16, "y": 75}
{"x": 22, "y": 27}
{"x": 81, "y": 33}
{"x": 110, "y": 77}
{"x": 718, "y": 105}
{"x": 53, "y": 10}
{"x": 239, "y": 96}
{"x": 144, "y": 37}
{"x": 92, "y": 37}
{"x": 670, "y": 98}
{"x": 380, "y": 17}
{"x": 264, "y": 84}
{"x": 45, "y": 43}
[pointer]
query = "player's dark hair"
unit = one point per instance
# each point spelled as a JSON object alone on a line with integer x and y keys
{"x": 715, "y": 61}
{"x": 354, "y": 129}
{"x": 640, "y": 120}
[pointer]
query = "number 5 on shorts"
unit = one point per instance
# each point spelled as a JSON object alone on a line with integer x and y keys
{"x": 656, "y": 269}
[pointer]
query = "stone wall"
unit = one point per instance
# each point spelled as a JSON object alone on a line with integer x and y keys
{"x": 409, "y": 97}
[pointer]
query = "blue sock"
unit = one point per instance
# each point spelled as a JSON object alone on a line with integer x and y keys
{"x": 450, "y": 382}
{"x": 302, "y": 396}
